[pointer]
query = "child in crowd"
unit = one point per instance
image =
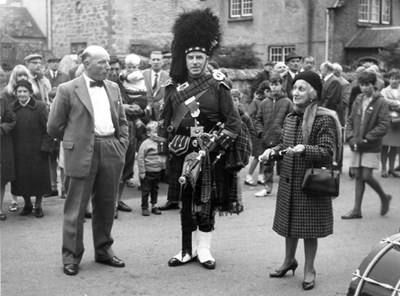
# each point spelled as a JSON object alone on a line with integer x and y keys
{"x": 151, "y": 167}
{"x": 134, "y": 80}
{"x": 236, "y": 98}
{"x": 262, "y": 92}
{"x": 269, "y": 122}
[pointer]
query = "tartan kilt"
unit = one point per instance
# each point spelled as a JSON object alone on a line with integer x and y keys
{"x": 225, "y": 193}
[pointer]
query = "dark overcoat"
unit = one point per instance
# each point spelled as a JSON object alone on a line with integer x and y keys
{"x": 8, "y": 122}
{"x": 298, "y": 215}
{"x": 32, "y": 173}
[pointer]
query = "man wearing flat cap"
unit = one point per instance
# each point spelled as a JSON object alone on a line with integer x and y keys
{"x": 34, "y": 63}
{"x": 293, "y": 63}
{"x": 195, "y": 103}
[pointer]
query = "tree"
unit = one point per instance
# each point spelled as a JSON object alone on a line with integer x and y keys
{"x": 391, "y": 55}
{"x": 241, "y": 56}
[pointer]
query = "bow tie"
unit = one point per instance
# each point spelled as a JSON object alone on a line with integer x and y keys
{"x": 96, "y": 83}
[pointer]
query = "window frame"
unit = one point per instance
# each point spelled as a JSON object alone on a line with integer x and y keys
{"x": 374, "y": 11}
{"x": 239, "y": 6}
{"x": 282, "y": 52}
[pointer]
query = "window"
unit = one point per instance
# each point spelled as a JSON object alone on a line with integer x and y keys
{"x": 241, "y": 8}
{"x": 77, "y": 46}
{"x": 374, "y": 11}
{"x": 279, "y": 53}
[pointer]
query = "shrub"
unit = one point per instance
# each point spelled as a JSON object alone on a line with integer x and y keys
{"x": 241, "y": 56}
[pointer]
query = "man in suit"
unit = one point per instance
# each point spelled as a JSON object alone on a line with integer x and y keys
{"x": 331, "y": 96}
{"x": 34, "y": 63}
{"x": 155, "y": 78}
{"x": 56, "y": 77}
{"x": 338, "y": 70}
{"x": 88, "y": 116}
{"x": 293, "y": 63}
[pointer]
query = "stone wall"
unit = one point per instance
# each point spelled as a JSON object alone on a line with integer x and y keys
{"x": 116, "y": 24}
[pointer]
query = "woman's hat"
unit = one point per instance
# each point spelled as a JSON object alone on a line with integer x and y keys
{"x": 312, "y": 78}
{"x": 24, "y": 83}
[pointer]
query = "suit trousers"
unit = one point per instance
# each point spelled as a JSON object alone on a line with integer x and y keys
{"x": 102, "y": 184}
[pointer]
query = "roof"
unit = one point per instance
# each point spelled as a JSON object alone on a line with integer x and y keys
{"x": 376, "y": 37}
{"x": 17, "y": 22}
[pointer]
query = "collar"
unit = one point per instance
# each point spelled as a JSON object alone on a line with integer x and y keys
{"x": 88, "y": 80}
{"x": 30, "y": 104}
{"x": 292, "y": 74}
{"x": 328, "y": 76}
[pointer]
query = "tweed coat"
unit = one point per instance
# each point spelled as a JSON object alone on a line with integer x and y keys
{"x": 8, "y": 122}
{"x": 298, "y": 215}
{"x": 32, "y": 173}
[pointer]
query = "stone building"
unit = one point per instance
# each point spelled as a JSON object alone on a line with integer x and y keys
{"x": 345, "y": 31}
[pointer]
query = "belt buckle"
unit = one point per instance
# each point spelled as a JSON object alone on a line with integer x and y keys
{"x": 196, "y": 131}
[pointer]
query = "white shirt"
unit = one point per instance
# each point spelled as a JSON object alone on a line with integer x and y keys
{"x": 103, "y": 125}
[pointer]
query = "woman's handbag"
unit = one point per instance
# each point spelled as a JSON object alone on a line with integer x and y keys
{"x": 395, "y": 118}
{"x": 322, "y": 182}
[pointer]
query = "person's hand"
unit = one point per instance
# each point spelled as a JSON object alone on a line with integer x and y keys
{"x": 362, "y": 145}
{"x": 141, "y": 176}
{"x": 298, "y": 149}
{"x": 265, "y": 156}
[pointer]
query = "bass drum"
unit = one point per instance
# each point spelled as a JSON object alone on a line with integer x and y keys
{"x": 379, "y": 272}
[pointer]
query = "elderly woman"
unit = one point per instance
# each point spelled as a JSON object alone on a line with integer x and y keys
{"x": 367, "y": 124}
{"x": 18, "y": 73}
{"x": 8, "y": 122}
{"x": 391, "y": 141}
{"x": 311, "y": 136}
{"x": 32, "y": 173}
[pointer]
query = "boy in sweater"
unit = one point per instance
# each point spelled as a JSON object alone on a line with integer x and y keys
{"x": 151, "y": 167}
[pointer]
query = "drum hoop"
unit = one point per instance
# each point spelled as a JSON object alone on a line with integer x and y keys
{"x": 364, "y": 278}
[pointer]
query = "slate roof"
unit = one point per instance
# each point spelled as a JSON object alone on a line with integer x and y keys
{"x": 376, "y": 37}
{"x": 17, "y": 22}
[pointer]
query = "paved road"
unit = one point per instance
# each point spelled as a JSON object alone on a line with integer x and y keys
{"x": 245, "y": 247}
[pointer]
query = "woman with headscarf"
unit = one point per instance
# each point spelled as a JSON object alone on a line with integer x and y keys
{"x": 31, "y": 142}
{"x": 311, "y": 136}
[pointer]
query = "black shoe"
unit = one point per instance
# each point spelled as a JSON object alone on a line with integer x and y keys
{"x": 116, "y": 214}
{"x": 208, "y": 264}
{"x": 39, "y": 213}
{"x": 88, "y": 215}
{"x": 309, "y": 285}
{"x": 176, "y": 262}
{"x": 170, "y": 206}
{"x": 27, "y": 209}
{"x": 52, "y": 193}
{"x": 114, "y": 262}
{"x": 71, "y": 269}
{"x": 238, "y": 209}
{"x": 156, "y": 211}
{"x": 145, "y": 212}
{"x": 123, "y": 207}
{"x": 63, "y": 195}
{"x": 282, "y": 273}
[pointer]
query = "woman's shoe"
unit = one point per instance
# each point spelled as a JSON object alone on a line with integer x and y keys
{"x": 352, "y": 215}
{"x": 39, "y": 213}
{"x": 393, "y": 173}
{"x": 27, "y": 209}
{"x": 309, "y": 285}
{"x": 384, "y": 174}
{"x": 385, "y": 205}
{"x": 282, "y": 273}
{"x": 13, "y": 207}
